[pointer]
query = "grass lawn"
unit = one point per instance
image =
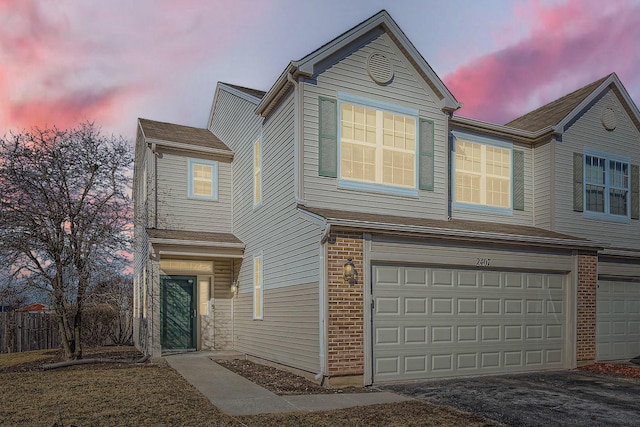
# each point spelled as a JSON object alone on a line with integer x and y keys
{"x": 156, "y": 395}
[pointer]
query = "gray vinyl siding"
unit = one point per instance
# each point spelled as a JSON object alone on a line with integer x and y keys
{"x": 454, "y": 254}
{"x": 177, "y": 211}
{"x": 542, "y": 181}
{"x": 349, "y": 76}
{"x": 289, "y": 332}
{"x": 289, "y": 245}
{"x": 588, "y": 132}
{"x": 517, "y": 217}
{"x": 621, "y": 268}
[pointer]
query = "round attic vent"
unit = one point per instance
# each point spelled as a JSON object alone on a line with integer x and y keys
{"x": 609, "y": 120}
{"x": 379, "y": 68}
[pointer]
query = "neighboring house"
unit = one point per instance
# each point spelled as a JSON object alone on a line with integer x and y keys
{"x": 34, "y": 308}
{"x": 478, "y": 248}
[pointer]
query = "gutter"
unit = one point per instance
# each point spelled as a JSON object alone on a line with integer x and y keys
{"x": 505, "y": 131}
{"x": 279, "y": 88}
{"x": 188, "y": 147}
{"x": 465, "y": 234}
{"x": 202, "y": 243}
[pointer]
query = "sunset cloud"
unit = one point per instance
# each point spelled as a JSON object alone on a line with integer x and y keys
{"x": 569, "y": 45}
{"x": 65, "y": 62}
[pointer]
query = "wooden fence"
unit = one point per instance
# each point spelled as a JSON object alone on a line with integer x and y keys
{"x": 27, "y": 331}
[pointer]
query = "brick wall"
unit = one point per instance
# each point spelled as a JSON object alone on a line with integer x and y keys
{"x": 345, "y": 323}
{"x": 586, "y": 327}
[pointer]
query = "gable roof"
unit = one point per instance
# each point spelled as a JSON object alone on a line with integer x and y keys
{"x": 183, "y": 137}
{"x": 253, "y": 92}
{"x": 307, "y": 65}
{"x": 561, "y": 112}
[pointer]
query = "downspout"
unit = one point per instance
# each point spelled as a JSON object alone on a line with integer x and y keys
{"x": 154, "y": 157}
{"x": 233, "y": 303}
{"x": 297, "y": 142}
{"x": 322, "y": 293}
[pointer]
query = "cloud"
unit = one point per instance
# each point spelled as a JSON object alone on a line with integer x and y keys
{"x": 65, "y": 62}
{"x": 569, "y": 45}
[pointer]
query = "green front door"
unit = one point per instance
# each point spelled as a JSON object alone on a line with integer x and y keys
{"x": 177, "y": 312}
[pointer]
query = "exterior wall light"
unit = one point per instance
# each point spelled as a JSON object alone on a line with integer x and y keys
{"x": 350, "y": 272}
{"x": 234, "y": 287}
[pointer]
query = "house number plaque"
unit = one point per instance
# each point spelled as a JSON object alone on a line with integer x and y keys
{"x": 483, "y": 262}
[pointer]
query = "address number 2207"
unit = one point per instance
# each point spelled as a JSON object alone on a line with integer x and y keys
{"x": 483, "y": 262}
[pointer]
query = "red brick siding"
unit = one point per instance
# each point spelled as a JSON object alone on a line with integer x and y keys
{"x": 586, "y": 327}
{"x": 345, "y": 335}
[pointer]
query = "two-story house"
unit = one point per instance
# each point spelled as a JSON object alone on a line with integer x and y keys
{"x": 349, "y": 224}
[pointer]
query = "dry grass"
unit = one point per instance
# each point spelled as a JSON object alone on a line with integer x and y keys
{"x": 14, "y": 360}
{"x": 156, "y": 395}
{"x": 104, "y": 396}
{"x": 402, "y": 414}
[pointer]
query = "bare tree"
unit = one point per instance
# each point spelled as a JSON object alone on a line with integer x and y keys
{"x": 109, "y": 305}
{"x": 65, "y": 212}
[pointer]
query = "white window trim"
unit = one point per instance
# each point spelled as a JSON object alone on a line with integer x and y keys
{"x": 484, "y": 142}
{"x": 214, "y": 179}
{"x": 378, "y": 186}
{"x": 259, "y": 257}
{"x": 257, "y": 173}
{"x": 606, "y": 215}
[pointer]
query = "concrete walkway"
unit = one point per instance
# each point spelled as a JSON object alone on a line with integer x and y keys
{"x": 236, "y": 395}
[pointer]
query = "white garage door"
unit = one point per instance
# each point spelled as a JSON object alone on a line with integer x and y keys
{"x": 618, "y": 320}
{"x": 438, "y": 322}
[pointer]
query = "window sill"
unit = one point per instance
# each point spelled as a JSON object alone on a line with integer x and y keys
{"x": 202, "y": 198}
{"x": 605, "y": 217}
{"x": 493, "y": 210}
{"x": 377, "y": 188}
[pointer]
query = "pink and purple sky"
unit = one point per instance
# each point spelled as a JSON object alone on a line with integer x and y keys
{"x": 66, "y": 61}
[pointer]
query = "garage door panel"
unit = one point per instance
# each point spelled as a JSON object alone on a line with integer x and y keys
{"x": 415, "y": 305}
{"x": 490, "y": 280}
{"x": 415, "y": 277}
{"x": 618, "y": 320}
{"x": 467, "y": 279}
{"x": 503, "y": 322}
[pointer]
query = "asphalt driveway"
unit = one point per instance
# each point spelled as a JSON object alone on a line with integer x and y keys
{"x": 541, "y": 399}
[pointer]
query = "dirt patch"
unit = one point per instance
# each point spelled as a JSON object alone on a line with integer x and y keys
{"x": 628, "y": 371}
{"x": 282, "y": 382}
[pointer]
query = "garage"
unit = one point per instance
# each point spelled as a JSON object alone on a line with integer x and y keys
{"x": 432, "y": 322}
{"x": 444, "y": 309}
{"x": 618, "y": 319}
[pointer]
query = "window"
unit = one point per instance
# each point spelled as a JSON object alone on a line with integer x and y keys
{"x": 203, "y": 179}
{"x": 258, "y": 297}
{"x": 257, "y": 172}
{"x": 606, "y": 185}
{"x": 482, "y": 174}
{"x": 377, "y": 147}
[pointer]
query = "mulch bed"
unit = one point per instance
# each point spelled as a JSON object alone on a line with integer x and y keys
{"x": 629, "y": 371}
{"x": 282, "y": 382}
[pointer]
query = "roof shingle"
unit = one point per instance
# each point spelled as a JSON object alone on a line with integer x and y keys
{"x": 253, "y": 92}
{"x": 181, "y": 134}
{"x": 552, "y": 113}
{"x": 454, "y": 224}
{"x": 193, "y": 236}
